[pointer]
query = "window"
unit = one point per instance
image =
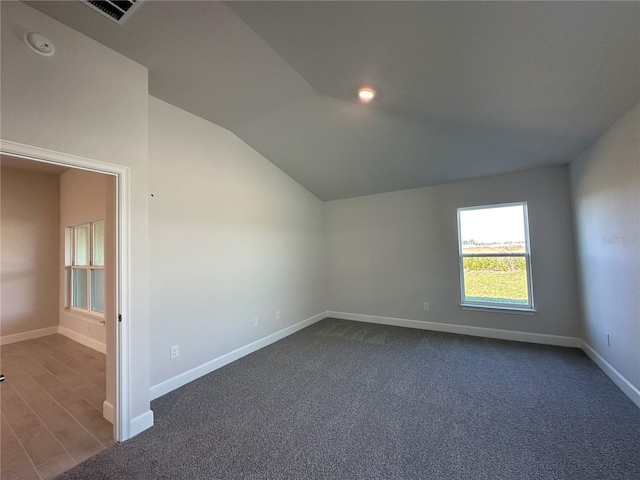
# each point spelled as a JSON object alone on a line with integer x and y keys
{"x": 495, "y": 259}
{"x": 85, "y": 267}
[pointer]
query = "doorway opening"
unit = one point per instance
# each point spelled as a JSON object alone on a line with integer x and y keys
{"x": 77, "y": 367}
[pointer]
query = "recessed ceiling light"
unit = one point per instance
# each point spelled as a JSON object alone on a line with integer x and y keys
{"x": 366, "y": 94}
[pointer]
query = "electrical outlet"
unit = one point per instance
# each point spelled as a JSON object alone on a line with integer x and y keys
{"x": 174, "y": 352}
{"x": 425, "y": 306}
{"x": 255, "y": 321}
{"x": 278, "y": 315}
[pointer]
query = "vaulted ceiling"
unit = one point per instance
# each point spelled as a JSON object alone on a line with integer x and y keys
{"x": 466, "y": 89}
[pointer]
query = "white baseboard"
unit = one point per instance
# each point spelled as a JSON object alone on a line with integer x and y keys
{"x": 108, "y": 411}
{"x": 86, "y": 341}
{"x": 208, "y": 367}
{"x": 140, "y": 423}
{"x": 463, "y": 329}
{"x": 19, "y": 337}
{"x": 625, "y": 385}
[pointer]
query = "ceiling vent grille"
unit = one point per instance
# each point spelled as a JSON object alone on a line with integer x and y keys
{"x": 116, "y": 10}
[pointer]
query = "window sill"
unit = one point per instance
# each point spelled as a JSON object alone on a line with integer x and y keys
{"x": 491, "y": 308}
{"x": 97, "y": 319}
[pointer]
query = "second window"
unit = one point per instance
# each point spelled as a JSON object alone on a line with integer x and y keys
{"x": 86, "y": 267}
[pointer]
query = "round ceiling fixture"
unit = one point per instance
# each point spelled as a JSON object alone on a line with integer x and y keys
{"x": 366, "y": 94}
{"x": 39, "y": 43}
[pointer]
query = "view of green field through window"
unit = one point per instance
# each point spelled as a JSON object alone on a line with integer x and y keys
{"x": 494, "y": 255}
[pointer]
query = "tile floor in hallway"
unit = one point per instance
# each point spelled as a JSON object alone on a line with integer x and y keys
{"x": 51, "y": 405}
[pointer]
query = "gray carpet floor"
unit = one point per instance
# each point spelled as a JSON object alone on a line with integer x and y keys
{"x": 349, "y": 400}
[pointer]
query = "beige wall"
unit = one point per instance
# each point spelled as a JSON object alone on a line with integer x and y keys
{"x": 30, "y": 250}
{"x": 90, "y": 101}
{"x": 389, "y": 253}
{"x": 83, "y": 198}
{"x": 605, "y": 183}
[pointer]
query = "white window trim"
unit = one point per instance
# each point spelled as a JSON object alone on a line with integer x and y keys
{"x": 484, "y": 308}
{"x": 86, "y": 313}
{"x": 83, "y": 315}
{"x": 528, "y": 309}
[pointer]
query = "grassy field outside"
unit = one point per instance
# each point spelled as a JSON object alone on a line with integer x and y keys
{"x": 503, "y": 287}
{"x": 496, "y": 279}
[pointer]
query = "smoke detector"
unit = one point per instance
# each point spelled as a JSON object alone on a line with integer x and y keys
{"x": 116, "y": 10}
{"x": 39, "y": 43}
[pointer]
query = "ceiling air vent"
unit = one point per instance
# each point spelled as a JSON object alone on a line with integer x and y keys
{"x": 116, "y": 10}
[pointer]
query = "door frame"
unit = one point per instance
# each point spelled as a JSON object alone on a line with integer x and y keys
{"x": 122, "y": 415}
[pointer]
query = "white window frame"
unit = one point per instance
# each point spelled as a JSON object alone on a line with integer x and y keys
{"x": 70, "y": 266}
{"x": 506, "y": 307}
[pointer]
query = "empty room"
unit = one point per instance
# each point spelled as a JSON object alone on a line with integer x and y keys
{"x": 320, "y": 240}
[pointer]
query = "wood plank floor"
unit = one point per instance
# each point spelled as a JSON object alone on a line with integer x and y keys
{"x": 51, "y": 407}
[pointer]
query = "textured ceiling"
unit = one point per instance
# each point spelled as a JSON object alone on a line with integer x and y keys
{"x": 467, "y": 89}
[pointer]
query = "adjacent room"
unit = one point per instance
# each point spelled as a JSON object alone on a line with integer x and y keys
{"x": 55, "y": 233}
{"x": 320, "y": 240}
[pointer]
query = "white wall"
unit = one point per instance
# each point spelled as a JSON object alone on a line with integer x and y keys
{"x": 30, "y": 250}
{"x": 389, "y": 253}
{"x": 83, "y": 198}
{"x": 231, "y": 237}
{"x": 90, "y": 101}
{"x": 605, "y": 182}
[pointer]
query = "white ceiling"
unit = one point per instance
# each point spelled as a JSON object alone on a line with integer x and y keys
{"x": 467, "y": 89}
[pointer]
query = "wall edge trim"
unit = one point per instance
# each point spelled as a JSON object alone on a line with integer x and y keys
{"x": 108, "y": 411}
{"x": 84, "y": 340}
{"x": 31, "y": 334}
{"x": 610, "y": 371}
{"x": 141, "y": 423}
{"x": 513, "y": 335}
{"x": 192, "y": 374}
